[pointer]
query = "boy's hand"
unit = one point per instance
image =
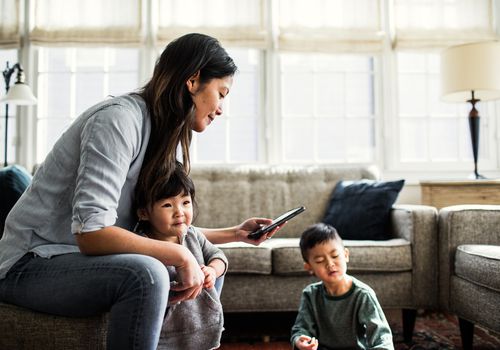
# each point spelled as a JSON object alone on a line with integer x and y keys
{"x": 210, "y": 276}
{"x": 305, "y": 342}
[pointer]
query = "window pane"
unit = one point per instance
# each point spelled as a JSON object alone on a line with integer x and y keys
{"x": 413, "y": 140}
{"x": 443, "y": 126}
{"x": 70, "y": 80}
{"x": 320, "y": 88}
{"x": 298, "y": 140}
{"x": 330, "y": 95}
{"x": 211, "y": 145}
{"x": 243, "y": 135}
{"x": 443, "y": 139}
{"x": 332, "y": 140}
{"x": 234, "y": 136}
{"x": 88, "y": 87}
{"x": 298, "y": 93}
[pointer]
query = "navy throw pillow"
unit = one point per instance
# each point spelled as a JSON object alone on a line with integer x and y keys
{"x": 361, "y": 209}
{"x": 13, "y": 182}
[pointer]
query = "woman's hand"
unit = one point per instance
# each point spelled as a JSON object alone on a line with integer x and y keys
{"x": 190, "y": 279}
{"x": 305, "y": 342}
{"x": 248, "y": 226}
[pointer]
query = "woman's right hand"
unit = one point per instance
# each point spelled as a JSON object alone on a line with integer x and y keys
{"x": 190, "y": 279}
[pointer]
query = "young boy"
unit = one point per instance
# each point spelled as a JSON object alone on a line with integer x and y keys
{"x": 340, "y": 312}
{"x": 197, "y": 323}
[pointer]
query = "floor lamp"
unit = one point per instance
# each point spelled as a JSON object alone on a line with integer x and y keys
{"x": 19, "y": 94}
{"x": 471, "y": 73}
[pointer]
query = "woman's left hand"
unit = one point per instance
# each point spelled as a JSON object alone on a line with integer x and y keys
{"x": 253, "y": 224}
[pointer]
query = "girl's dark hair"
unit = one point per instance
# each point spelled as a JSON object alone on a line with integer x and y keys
{"x": 170, "y": 104}
{"x": 317, "y": 234}
{"x": 178, "y": 183}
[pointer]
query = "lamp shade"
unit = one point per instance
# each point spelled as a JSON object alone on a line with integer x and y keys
{"x": 19, "y": 94}
{"x": 471, "y": 67}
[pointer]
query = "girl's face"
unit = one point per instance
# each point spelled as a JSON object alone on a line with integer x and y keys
{"x": 328, "y": 261}
{"x": 208, "y": 99}
{"x": 170, "y": 217}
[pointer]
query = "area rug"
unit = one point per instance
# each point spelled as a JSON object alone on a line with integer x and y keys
{"x": 433, "y": 330}
{"x": 440, "y": 331}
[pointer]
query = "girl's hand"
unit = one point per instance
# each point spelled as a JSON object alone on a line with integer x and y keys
{"x": 210, "y": 276}
{"x": 248, "y": 226}
{"x": 190, "y": 279}
{"x": 305, "y": 342}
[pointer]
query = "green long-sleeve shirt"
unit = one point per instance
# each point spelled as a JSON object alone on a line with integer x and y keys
{"x": 354, "y": 320}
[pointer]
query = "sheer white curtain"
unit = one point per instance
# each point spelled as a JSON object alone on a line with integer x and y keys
{"x": 91, "y": 22}
{"x": 330, "y": 25}
{"x": 234, "y": 22}
{"x": 9, "y": 23}
{"x": 442, "y": 23}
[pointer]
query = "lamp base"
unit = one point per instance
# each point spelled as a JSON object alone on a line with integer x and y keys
{"x": 476, "y": 176}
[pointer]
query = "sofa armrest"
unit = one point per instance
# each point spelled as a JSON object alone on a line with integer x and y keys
{"x": 419, "y": 225}
{"x": 463, "y": 224}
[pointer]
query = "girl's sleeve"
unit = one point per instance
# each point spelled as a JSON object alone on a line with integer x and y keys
{"x": 109, "y": 142}
{"x": 210, "y": 251}
{"x": 304, "y": 323}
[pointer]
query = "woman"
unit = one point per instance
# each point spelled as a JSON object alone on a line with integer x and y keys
{"x": 68, "y": 248}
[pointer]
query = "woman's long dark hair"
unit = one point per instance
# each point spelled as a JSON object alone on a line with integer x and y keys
{"x": 170, "y": 103}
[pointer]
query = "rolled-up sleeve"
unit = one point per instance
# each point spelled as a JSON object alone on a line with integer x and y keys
{"x": 109, "y": 142}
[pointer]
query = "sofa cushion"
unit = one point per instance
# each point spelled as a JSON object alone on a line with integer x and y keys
{"x": 361, "y": 209}
{"x": 267, "y": 191}
{"x": 365, "y": 256}
{"x": 246, "y": 258}
{"x": 479, "y": 264}
{"x": 14, "y": 180}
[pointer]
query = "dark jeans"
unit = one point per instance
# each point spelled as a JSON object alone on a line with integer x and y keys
{"x": 133, "y": 288}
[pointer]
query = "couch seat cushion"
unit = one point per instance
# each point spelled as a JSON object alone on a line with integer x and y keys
{"x": 246, "y": 258}
{"x": 365, "y": 256}
{"x": 479, "y": 264}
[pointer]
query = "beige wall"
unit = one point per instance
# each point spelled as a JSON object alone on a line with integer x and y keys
{"x": 410, "y": 194}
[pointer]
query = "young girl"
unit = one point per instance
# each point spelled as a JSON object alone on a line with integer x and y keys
{"x": 198, "y": 323}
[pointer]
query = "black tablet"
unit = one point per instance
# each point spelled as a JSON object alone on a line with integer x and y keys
{"x": 276, "y": 222}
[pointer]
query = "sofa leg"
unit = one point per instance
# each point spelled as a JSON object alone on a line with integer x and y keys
{"x": 409, "y": 317}
{"x": 466, "y": 332}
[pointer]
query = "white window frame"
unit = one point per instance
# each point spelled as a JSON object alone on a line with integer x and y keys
{"x": 386, "y": 110}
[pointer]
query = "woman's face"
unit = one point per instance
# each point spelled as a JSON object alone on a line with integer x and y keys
{"x": 208, "y": 99}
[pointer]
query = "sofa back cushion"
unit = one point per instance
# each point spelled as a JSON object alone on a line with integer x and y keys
{"x": 14, "y": 180}
{"x": 227, "y": 196}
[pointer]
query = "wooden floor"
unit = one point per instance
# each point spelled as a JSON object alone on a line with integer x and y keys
{"x": 257, "y": 331}
{"x": 257, "y": 346}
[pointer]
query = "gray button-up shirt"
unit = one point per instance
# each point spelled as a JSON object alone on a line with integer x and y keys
{"x": 85, "y": 183}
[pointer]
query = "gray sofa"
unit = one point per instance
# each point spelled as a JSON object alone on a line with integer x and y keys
{"x": 469, "y": 261}
{"x": 270, "y": 277}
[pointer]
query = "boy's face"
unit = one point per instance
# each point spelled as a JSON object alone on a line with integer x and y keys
{"x": 170, "y": 217}
{"x": 328, "y": 261}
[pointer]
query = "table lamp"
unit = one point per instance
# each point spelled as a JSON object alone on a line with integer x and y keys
{"x": 471, "y": 72}
{"x": 19, "y": 94}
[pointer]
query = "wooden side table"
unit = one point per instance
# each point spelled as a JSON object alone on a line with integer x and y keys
{"x": 441, "y": 194}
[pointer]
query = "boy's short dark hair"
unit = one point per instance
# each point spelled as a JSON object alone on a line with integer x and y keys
{"x": 317, "y": 234}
